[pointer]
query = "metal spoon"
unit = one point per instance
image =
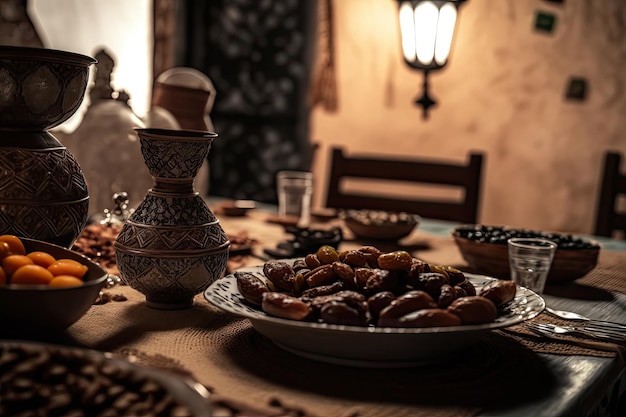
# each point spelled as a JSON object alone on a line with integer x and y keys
{"x": 568, "y": 315}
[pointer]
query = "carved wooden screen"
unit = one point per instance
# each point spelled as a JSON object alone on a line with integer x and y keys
{"x": 259, "y": 55}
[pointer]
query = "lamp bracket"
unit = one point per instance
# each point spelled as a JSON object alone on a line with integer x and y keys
{"x": 426, "y": 101}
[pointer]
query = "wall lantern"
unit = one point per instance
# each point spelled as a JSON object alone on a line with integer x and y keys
{"x": 427, "y": 28}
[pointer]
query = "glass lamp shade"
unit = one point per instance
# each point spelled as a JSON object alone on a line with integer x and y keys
{"x": 427, "y": 28}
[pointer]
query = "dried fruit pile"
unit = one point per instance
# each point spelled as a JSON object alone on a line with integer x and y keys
{"x": 96, "y": 242}
{"x": 368, "y": 287}
{"x": 36, "y": 267}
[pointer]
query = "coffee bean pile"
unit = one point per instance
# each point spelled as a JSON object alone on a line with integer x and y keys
{"x": 501, "y": 234}
{"x": 53, "y": 382}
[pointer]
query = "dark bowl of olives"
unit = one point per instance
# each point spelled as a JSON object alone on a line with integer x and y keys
{"x": 379, "y": 225}
{"x": 485, "y": 250}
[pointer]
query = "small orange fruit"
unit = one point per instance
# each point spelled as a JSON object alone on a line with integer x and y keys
{"x": 11, "y": 263}
{"x": 61, "y": 281}
{"x": 41, "y": 258}
{"x": 15, "y": 243}
{"x": 32, "y": 274}
{"x": 5, "y": 249}
{"x": 3, "y": 276}
{"x": 68, "y": 267}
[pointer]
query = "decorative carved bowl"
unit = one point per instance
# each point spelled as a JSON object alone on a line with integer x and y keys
{"x": 40, "y": 88}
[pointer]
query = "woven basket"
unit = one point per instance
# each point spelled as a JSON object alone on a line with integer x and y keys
{"x": 492, "y": 259}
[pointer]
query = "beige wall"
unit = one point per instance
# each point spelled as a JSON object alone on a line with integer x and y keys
{"x": 502, "y": 93}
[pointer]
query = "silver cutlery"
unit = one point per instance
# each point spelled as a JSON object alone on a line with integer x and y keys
{"x": 594, "y": 333}
{"x": 568, "y": 315}
{"x": 596, "y": 344}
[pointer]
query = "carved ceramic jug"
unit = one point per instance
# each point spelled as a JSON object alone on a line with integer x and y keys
{"x": 43, "y": 193}
{"x": 172, "y": 247}
{"x": 106, "y": 143}
{"x": 188, "y": 95}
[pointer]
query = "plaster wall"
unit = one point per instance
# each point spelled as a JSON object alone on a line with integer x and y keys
{"x": 502, "y": 93}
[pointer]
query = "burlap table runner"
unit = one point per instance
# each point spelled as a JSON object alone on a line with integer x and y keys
{"x": 248, "y": 375}
{"x": 245, "y": 370}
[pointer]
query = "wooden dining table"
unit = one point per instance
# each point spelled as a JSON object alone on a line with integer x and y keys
{"x": 509, "y": 372}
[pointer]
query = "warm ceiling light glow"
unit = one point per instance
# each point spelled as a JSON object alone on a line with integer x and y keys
{"x": 445, "y": 30}
{"x": 426, "y": 17}
{"x": 407, "y": 26}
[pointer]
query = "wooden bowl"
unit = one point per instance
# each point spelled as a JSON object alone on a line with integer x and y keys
{"x": 492, "y": 259}
{"x": 389, "y": 231}
{"x": 378, "y": 224}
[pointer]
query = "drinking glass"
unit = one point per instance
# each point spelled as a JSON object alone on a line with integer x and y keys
{"x": 295, "y": 192}
{"x": 530, "y": 260}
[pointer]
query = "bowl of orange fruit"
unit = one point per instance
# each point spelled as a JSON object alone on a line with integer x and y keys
{"x": 43, "y": 285}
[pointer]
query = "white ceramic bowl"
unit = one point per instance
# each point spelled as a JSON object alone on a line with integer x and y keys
{"x": 369, "y": 346}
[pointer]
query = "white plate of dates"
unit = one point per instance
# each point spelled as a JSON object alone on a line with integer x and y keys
{"x": 367, "y": 308}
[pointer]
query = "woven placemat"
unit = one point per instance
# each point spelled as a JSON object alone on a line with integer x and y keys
{"x": 564, "y": 344}
{"x": 609, "y": 274}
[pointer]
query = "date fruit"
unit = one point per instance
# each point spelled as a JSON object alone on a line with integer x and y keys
{"x": 474, "y": 309}
{"x": 251, "y": 287}
{"x": 279, "y": 304}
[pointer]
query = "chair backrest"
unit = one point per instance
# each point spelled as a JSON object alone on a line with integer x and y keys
{"x": 608, "y": 218}
{"x": 404, "y": 170}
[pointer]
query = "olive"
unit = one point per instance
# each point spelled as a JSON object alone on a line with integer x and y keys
{"x": 500, "y": 235}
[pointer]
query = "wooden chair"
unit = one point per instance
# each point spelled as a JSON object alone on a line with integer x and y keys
{"x": 608, "y": 218}
{"x": 405, "y": 170}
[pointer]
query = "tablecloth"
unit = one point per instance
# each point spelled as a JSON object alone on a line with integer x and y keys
{"x": 249, "y": 375}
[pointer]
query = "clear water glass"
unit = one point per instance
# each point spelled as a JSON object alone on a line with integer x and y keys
{"x": 295, "y": 192}
{"x": 530, "y": 260}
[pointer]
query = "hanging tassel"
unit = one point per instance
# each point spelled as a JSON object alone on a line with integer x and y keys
{"x": 323, "y": 89}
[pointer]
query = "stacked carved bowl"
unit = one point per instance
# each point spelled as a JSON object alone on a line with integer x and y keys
{"x": 485, "y": 249}
{"x": 41, "y": 88}
{"x": 43, "y": 193}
